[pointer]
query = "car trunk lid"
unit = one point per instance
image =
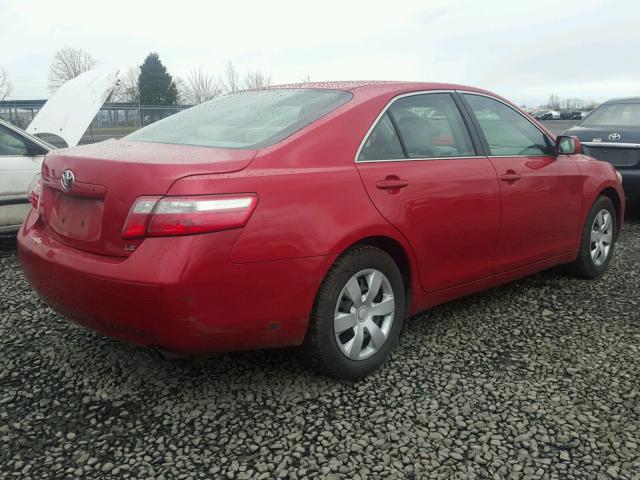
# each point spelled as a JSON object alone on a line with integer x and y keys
{"x": 619, "y": 146}
{"x": 108, "y": 177}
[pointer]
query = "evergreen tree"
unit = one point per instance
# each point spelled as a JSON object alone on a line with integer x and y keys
{"x": 156, "y": 86}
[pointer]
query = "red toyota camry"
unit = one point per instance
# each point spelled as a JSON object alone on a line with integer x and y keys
{"x": 319, "y": 215}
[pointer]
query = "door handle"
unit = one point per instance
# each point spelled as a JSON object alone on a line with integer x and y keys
{"x": 391, "y": 183}
{"x": 510, "y": 176}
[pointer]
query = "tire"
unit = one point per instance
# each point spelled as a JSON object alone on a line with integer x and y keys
{"x": 585, "y": 266}
{"x": 334, "y": 309}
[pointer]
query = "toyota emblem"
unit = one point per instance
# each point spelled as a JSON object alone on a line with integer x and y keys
{"x": 614, "y": 137}
{"x": 66, "y": 180}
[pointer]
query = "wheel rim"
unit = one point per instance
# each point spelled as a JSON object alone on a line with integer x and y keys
{"x": 601, "y": 237}
{"x": 364, "y": 314}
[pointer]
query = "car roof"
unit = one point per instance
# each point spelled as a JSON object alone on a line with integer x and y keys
{"x": 383, "y": 86}
{"x": 623, "y": 100}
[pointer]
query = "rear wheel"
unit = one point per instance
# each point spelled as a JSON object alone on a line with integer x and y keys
{"x": 357, "y": 315}
{"x": 598, "y": 240}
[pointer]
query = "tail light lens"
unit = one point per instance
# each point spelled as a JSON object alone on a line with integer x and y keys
{"x": 35, "y": 191}
{"x": 170, "y": 216}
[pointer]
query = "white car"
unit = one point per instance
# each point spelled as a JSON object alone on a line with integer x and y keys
{"x": 67, "y": 115}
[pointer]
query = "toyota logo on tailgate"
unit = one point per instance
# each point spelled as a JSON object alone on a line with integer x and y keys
{"x": 66, "y": 180}
{"x": 614, "y": 137}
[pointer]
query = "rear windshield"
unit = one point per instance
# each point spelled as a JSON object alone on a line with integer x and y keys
{"x": 614, "y": 114}
{"x": 250, "y": 119}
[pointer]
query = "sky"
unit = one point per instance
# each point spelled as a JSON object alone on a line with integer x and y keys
{"x": 524, "y": 50}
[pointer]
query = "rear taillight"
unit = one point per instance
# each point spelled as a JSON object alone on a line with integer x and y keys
{"x": 169, "y": 216}
{"x": 35, "y": 191}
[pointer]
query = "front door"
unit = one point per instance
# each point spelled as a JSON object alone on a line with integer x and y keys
{"x": 541, "y": 191}
{"x": 424, "y": 174}
{"x": 17, "y": 169}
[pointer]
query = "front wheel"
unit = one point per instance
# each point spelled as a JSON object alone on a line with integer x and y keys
{"x": 598, "y": 240}
{"x": 357, "y": 315}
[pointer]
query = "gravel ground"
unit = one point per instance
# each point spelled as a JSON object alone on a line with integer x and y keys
{"x": 537, "y": 379}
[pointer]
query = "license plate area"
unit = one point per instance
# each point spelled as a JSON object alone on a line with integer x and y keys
{"x": 78, "y": 218}
{"x": 617, "y": 156}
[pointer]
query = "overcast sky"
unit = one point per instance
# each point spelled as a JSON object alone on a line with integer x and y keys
{"x": 524, "y": 50}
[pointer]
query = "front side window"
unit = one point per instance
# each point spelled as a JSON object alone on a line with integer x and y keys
{"x": 431, "y": 126}
{"x": 11, "y": 145}
{"x": 614, "y": 115}
{"x": 249, "y": 119}
{"x": 506, "y": 131}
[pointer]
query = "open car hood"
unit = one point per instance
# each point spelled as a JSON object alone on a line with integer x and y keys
{"x": 70, "y": 110}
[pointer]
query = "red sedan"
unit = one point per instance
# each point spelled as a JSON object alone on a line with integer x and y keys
{"x": 317, "y": 215}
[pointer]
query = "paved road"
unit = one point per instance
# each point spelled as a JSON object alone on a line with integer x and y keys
{"x": 559, "y": 126}
{"x": 536, "y": 379}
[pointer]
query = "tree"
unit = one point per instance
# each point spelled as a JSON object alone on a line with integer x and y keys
{"x": 68, "y": 63}
{"x": 127, "y": 88}
{"x": 200, "y": 87}
{"x": 5, "y": 84}
{"x": 256, "y": 79}
{"x": 155, "y": 85}
{"x": 230, "y": 78}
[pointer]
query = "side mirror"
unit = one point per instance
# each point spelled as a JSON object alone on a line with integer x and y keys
{"x": 566, "y": 145}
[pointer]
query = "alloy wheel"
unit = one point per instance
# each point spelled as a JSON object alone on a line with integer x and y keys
{"x": 364, "y": 314}
{"x": 601, "y": 237}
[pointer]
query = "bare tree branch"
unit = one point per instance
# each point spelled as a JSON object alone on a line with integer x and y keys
{"x": 200, "y": 87}
{"x": 5, "y": 84}
{"x": 127, "y": 89}
{"x": 256, "y": 79}
{"x": 68, "y": 63}
{"x": 183, "y": 97}
{"x": 230, "y": 78}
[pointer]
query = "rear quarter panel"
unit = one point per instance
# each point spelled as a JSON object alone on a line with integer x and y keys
{"x": 311, "y": 199}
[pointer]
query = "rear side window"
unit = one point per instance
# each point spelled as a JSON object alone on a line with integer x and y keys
{"x": 431, "y": 126}
{"x": 250, "y": 119}
{"x": 614, "y": 114}
{"x": 506, "y": 131}
{"x": 419, "y": 126}
{"x": 382, "y": 143}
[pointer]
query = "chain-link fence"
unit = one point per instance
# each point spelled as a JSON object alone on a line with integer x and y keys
{"x": 113, "y": 120}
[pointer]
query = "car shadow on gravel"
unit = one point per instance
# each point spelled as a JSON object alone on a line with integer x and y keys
{"x": 7, "y": 242}
{"x": 285, "y": 370}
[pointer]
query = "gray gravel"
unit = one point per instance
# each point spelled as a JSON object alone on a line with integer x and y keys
{"x": 537, "y": 379}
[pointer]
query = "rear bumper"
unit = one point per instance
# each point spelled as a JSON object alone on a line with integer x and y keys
{"x": 182, "y": 294}
{"x": 631, "y": 182}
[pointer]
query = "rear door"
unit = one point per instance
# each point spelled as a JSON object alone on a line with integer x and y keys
{"x": 424, "y": 173}
{"x": 541, "y": 192}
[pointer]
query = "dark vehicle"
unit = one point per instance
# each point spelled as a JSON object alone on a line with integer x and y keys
{"x": 570, "y": 115}
{"x": 548, "y": 115}
{"x": 611, "y": 133}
